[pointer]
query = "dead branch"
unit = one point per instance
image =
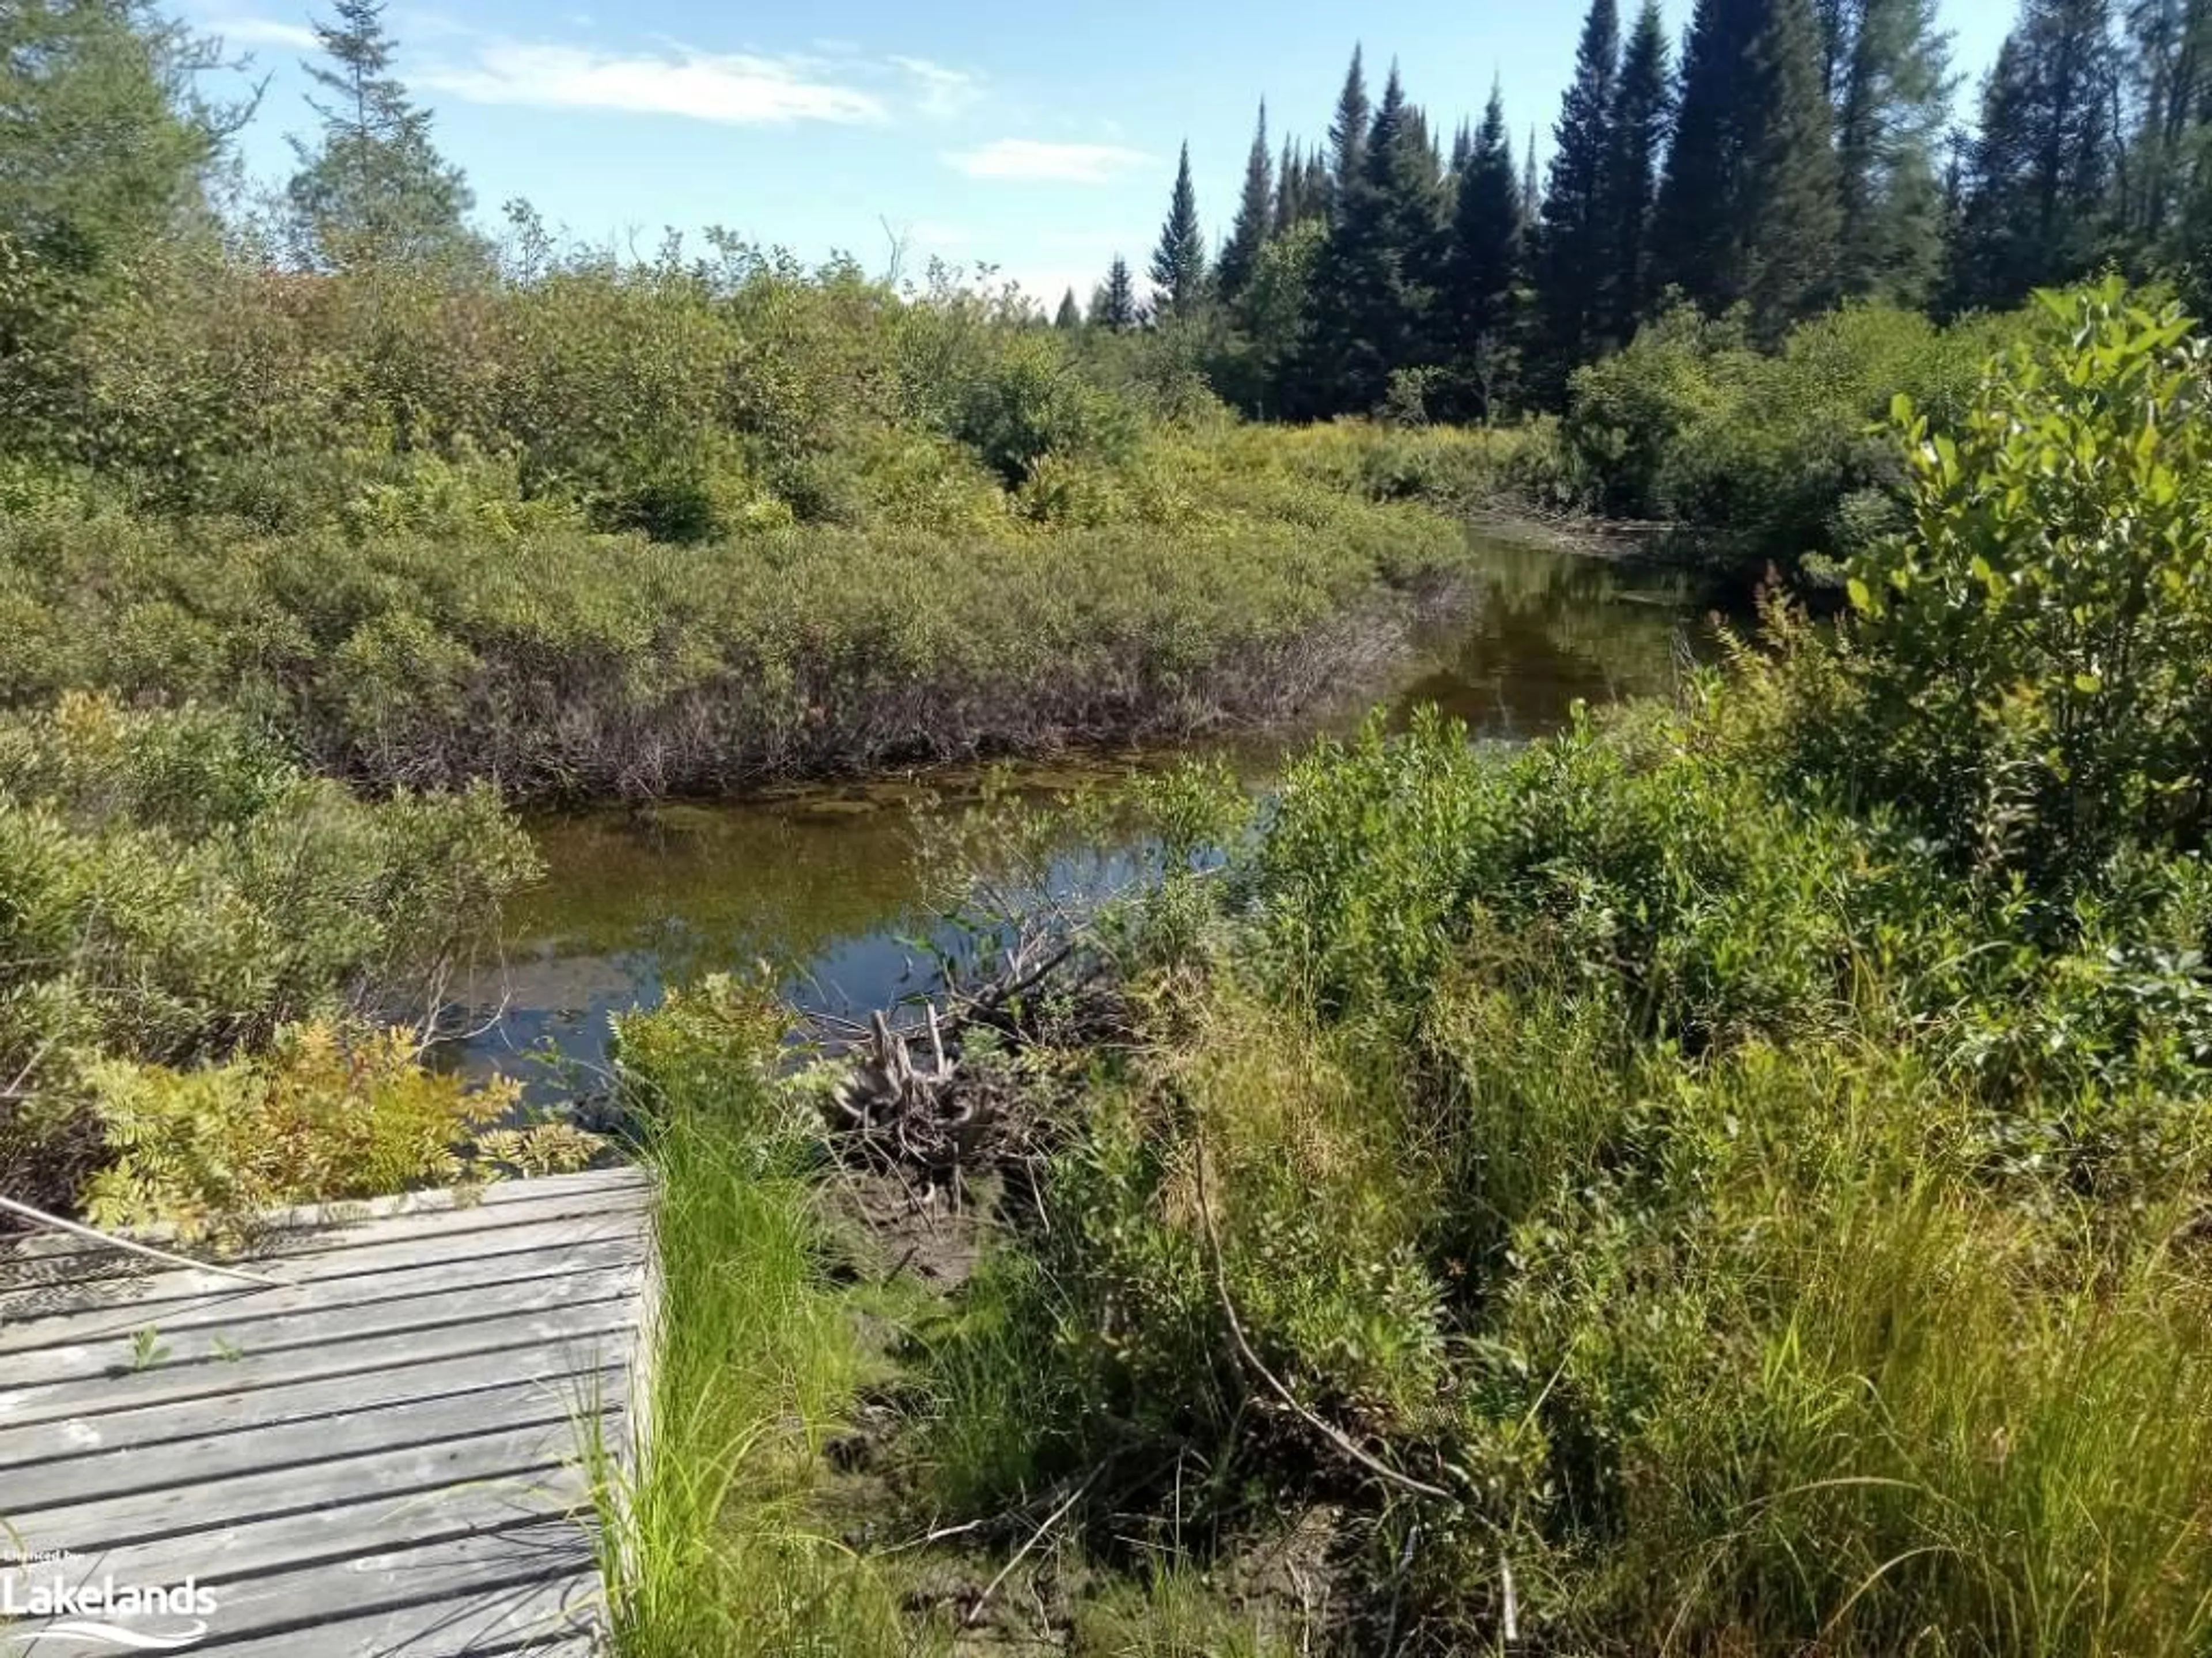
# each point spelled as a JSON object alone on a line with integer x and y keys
{"x": 1328, "y": 1430}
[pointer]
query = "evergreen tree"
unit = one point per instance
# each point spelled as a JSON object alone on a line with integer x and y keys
{"x": 2171, "y": 80}
{"x": 1114, "y": 306}
{"x": 1254, "y": 216}
{"x": 1290, "y": 188}
{"x": 1483, "y": 271}
{"x": 1796, "y": 213}
{"x": 1462, "y": 150}
{"x": 1532, "y": 197}
{"x": 1373, "y": 282}
{"x": 104, "y": 144}
{"x": 2037, "y": 190}
{"x": 1347, "y": 133}
{"x": 1574, "y": 250}
{"x": 1642, "y": 112}
{"x": 375, "y": 188}
{"x": 1178, "y": 270}
{"x": 1750, "y": 205}
{"x": 1069, "y": 318}
{"x": 1699, "y": 229}
{"x": 1891, "y": 100}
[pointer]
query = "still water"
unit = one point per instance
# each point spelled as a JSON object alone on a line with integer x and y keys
{"x": 827, "y": 883}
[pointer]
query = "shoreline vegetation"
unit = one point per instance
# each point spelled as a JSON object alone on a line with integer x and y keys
{"x": 1727, "y": 1178}
{"x": 1730, "y": 1178}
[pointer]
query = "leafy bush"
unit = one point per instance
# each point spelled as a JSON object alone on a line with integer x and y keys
{"x": 315, "y": 1119}
{"x": 173, "y": 890}
{"x": 2035, "y": 644}
{"x": 1764, "y": 458}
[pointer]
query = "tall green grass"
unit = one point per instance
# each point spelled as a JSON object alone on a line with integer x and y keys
{"x": 712, "y": 1547}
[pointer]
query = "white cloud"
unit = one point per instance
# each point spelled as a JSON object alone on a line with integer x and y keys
{"x": 264, "y": 31}
{"x": 1030, "y": 160}
{"x": 941, "y": 92}
{"x": 737, "y": 87}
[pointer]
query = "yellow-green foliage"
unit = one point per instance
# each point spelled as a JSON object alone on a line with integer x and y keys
{"x": 319, "y": 1117}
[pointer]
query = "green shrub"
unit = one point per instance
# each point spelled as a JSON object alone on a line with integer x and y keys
{"x": 173, "y": 890}
{"x": 2035, "y": 642}
{"x": 315, "y": 1119}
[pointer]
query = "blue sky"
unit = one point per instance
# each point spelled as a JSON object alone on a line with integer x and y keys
{"x": 1039, "y": 140}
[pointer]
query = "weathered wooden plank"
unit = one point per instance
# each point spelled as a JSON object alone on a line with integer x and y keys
{"x": 593, "y": 1331}
{"x": 343, "y": 1266}
{"x": 553, "y": 1619}
{"x": 246, "y": 1409}
{"x": 595, "y": 1273}
{"x": 500, "y": 1456}
{"x": 339, "y": 1532}
{"x": 89, "y": 1475}
{"x": 330, "y": 1219}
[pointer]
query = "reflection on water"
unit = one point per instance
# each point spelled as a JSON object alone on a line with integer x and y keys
{"x": 826, "y": 884}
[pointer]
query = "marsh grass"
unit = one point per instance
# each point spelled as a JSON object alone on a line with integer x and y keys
{"x": 711, "y": 1545}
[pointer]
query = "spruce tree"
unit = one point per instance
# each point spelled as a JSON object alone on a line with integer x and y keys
{"x": 1373, "y": 281}
{"x": 1178, "y": 270}
{"x": 1642, "y": 112}
{"x": 1699, "y": 230}
{"x": 1483, "y": 271}
{"x": 1290, "y": 188}
{"x": 374, "y": 188}
{"x": 1574, "y": 248}
{"x": 1254, "y": 221}
{"x": 1114, "y": 306}
{"x": 1892, "y": 101}
{"x": 1796, "y": 212}
{"x": 2038, "y": 191}
{"x": 1069, "y": 318}
{"x": 1532, "y": 196}
{"x": 1750, "y": 208}
{"x": 1347, "y": 133}
{"x": 1462, "y": 150}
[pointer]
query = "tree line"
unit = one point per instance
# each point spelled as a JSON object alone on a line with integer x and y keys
{"x": 1789, "y": 156}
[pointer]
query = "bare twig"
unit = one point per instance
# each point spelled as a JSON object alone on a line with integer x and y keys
{"x": 1023, "y": 1552}
{"x": 39, "y": 1217}
{"x": 1328, "y": 1430}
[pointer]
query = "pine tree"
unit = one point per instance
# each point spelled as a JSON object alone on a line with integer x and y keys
{"x": 1643, "y": 113}
{"x": 1254, "y": 216}
{"x": 1178, "y": 269}
{"x": 1574, "y": 251}
{"x": 1796, "y": 218}
{"x": 1347, "y": 133}
{"x": 1532, "y": 196}
{"x": 374, "y": 188}
{"x": 1114, "y": 306}
{"x": 1462, "y": 150}
{"x": 2038, "y": 191}
{"x": 1069, "y": 318}
{"x": 2167, "y": 151}
{"x": 1373, "y": 283}
{"x": 1483, "y": 271}
{"x": 1892, "y": 101}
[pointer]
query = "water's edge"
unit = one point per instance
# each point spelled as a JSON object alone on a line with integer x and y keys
{"x": 825, "y": 883}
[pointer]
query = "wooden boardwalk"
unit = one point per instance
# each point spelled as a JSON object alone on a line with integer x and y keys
{"x": 380, "y": 1457}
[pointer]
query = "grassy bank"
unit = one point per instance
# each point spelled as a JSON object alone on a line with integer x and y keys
{"x": 1729, "y": 1178}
